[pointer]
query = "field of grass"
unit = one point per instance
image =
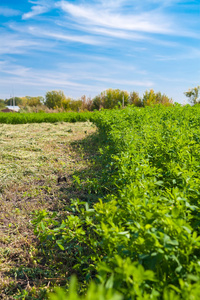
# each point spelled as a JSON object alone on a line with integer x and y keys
{"x": 32, "y": 157}
{"x": 140, "y": 240}
{"x": 125, "y": 221}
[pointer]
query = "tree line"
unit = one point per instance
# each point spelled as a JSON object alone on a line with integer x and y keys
{"x": 108, "y": 99}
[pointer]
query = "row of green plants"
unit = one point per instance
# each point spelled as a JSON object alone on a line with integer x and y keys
{"x": 23, "y": 118}
{"x": 141, "y": 239}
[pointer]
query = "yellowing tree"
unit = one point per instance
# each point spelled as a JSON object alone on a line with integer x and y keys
{"x": 151, "y": 98}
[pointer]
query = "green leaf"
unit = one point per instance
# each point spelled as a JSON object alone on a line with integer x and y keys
{"x": 59, "y": 243}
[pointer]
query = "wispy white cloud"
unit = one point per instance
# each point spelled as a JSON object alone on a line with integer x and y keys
{"x": 189, "y": 53}
{"x": 131, "y": 83}
{"x": 36, "y": 10}
{"x": 119, "y": 34}
{"x": 13, "y": 69}
{"x": 74, "y": 81}
{"x": 15, "y": 44}
{"x": 100, "y": 32}
{"x": 47, "y": 34}
{"x": 41, "y": 80}
{"x": 85, "y": 39}
{"x": 95, "y": 15}
{"x": 8, "y": 12}
{"x": 34, "y": 77}
{"x": 125, "y": 19}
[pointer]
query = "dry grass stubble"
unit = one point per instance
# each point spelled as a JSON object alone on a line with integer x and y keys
{"x": 32, "y": 157}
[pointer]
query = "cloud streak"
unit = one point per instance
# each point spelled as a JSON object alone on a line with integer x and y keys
{"x": 94, "y": 15}
{"x": 8, "y": 12}
{"x": 35, "y": 11}
{"x": 131, "y": 83}
{"x": 14, "y": 44}
{"x": 72, "y": 81}
{"x": 61, "y": 36}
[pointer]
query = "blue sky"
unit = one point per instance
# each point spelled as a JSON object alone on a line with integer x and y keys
{"x": 84, "y": 47}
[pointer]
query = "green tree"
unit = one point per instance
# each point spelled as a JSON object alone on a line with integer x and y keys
{"x": 17, "y": 100}
{"x": 54, "y": 99}
{"x": 34, "y": 101}
{"x": 75, "y": 105}
{"x": 110, "y": 99}
{"x": 193, "y": 95}
{"x": 97, "y": 102}
{"x": 2, "y": 104}
{"x": 135, "y": 99}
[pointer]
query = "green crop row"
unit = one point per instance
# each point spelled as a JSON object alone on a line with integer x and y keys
{"x": 23, "y": 118}
{"x": 142, "y": 239}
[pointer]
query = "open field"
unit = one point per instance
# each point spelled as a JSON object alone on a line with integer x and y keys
{"x": 32, "y": 157}
{"x": 125, "y": 218}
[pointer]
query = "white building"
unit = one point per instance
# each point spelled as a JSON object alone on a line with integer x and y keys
{"x": 15, "y": 107}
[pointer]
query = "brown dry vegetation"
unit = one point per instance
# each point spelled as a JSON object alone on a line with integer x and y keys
{"x": 32, "y": 157}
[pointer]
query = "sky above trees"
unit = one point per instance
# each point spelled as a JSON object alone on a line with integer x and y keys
{"x": 84, "y": 47}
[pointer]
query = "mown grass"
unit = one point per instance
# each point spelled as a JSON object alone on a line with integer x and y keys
{"x": 32, "y": 158}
